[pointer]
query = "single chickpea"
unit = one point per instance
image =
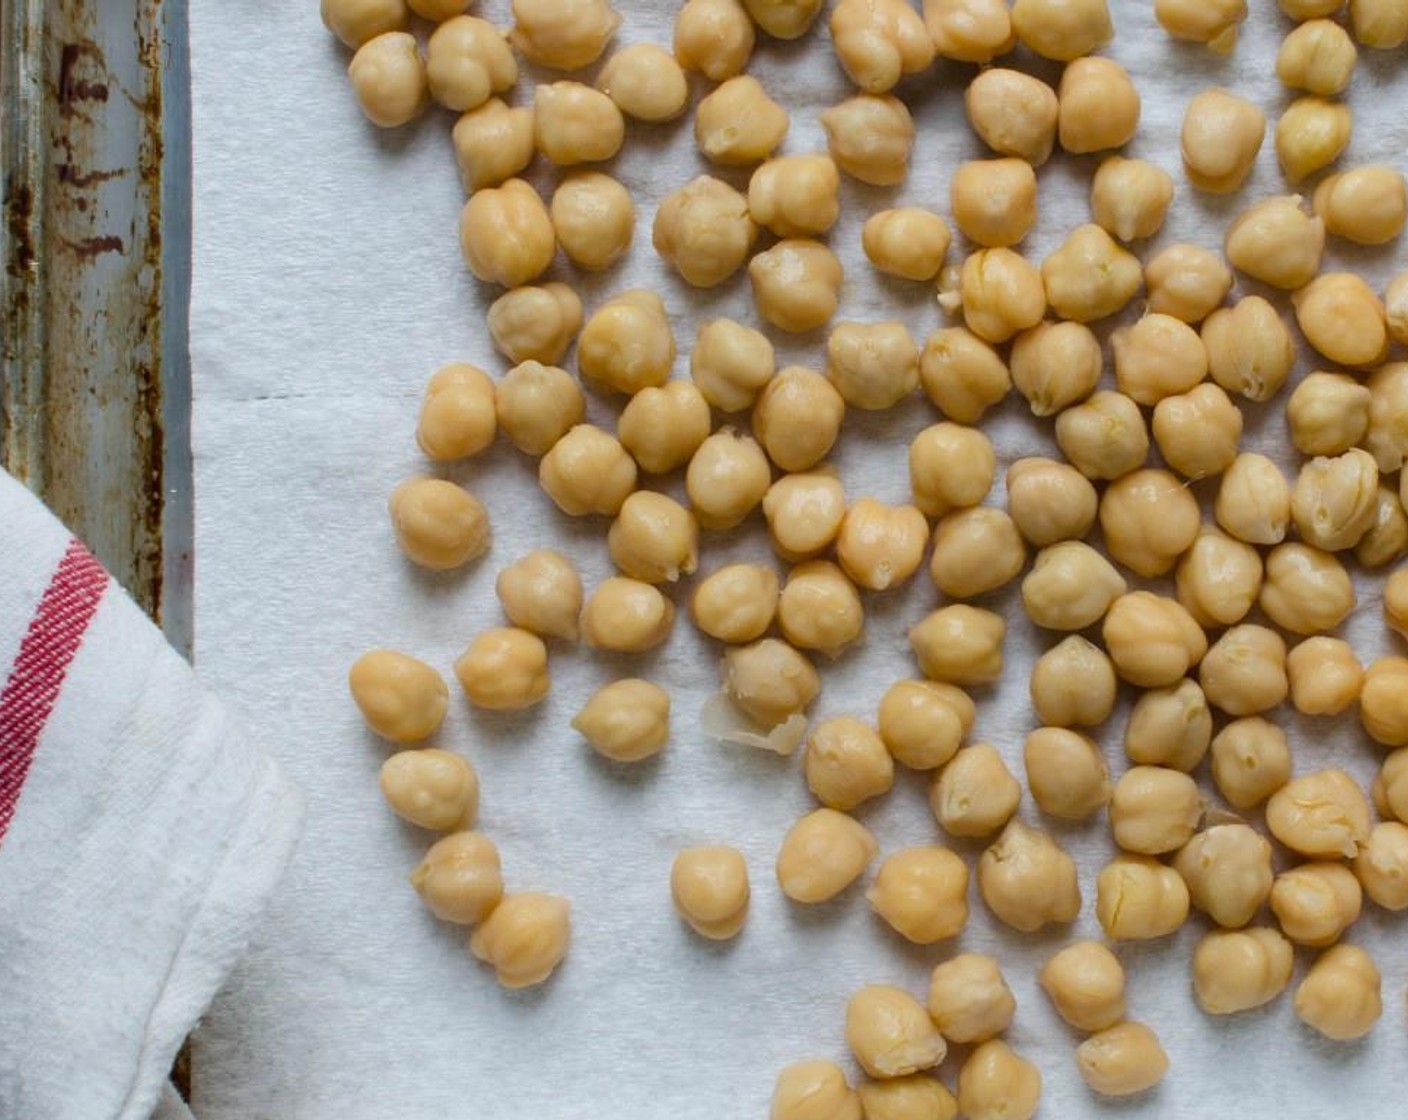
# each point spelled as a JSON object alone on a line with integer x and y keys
{"x": 401, "y": 698}
{"x": 1382, "y": 865}
{"x": 662, "y": 427}
{"x": 1218, "y": 579}
{"x": 357, "y": 21}
{"x": 709, "y": 887}
{"x": 1027, "y": 880}
{"x": 890, "y": 1033}
{"x": 813, "y": 1091}
{"x": 1104, "y": 437}
{"x": 823, "y": 854}
{"x": 1013, "y": 113}
{"x": 504, "y": 669}
{"x": 1391, "y": 785}
{"x": 804, "y": 513}
{"x": 1158, "y": 356}
{"x": 908, "y": 242}
{"x": 1277, "y": 242}
{"x": 704, "y": 231}
{"x": 1149, "y": 519}
{"x": 626, "y": 616}
{"x": 1367, "y": 205}
{"x": 627, "y": 344}
{"x": 1197, "y": 21}
{"x": 726, "y": 479}
{"x": 881, "y": 546}
{"x": 1152, "y": 640}
{"x": 1066, "y": 773}
{"x": 736, "y": 603}
{"x": 1254, "y": 500}
{"x": 646, "y": 83}
{"x": 1318, "y": 57}
{"x": 1222, "y": 134}
{"x": 460, "y": 878}
{"x": 1396, "y": 308}
{"x": 1387, "y": 538}
{"x": 1239, "y": 970}
{"x": 797, "y": 418}
{"x": 467, "y": 61}
{"x": 1311, "y": 134}
{"x": 1122, "y": 1060}
{"x": 1070, "y": 587}
{"x": 877, "y": 42}
{"x": 1335, "y": 499}
{"x": 962, "y": 375}
{"x": 535, "y": 324}
{"x": 1049, "y": 501}
{"x": 493, "y": 143}
{"x": 784, "y": 19}
{"x": 714, "y": 37}
{"x": 994, "y": 200}
{"x": 388, "y": 77}
{"x": 541, "y": 592}
{"x": 1244, "y": 671}
{"x": 1197, "y": 432}
{"x": 1300, "y": 10}
{"x": 1056, "y": 365}
{"x": 996, "y": 1083}
{"x": 1099, "y": 106}
{"x": 976, "y": 551}
{"x": 796, "y": 284}
{"x": 1387, "y": 436}
{"x": 923, "y": 723}
{"x": 795, "y": 196}
{"x": 1129, "y": 198}
{"x": 537, "y": 405}
{"x": 1328, "y": 413}
{"x": 1062, "y": 29}
{"x": 922, "y": 894}
{"x": 1383, "y": 705}
{"x": 872, "y": 365}
{"x": 975, "y": 794}
{"x": 524, "y": 939}
{"x": 438, "y": 11}
{"x": 1169, "y": 726}
{"x": 1085, "y": 982}
{"x": 1306, "y": 591}
{"x": 563, "y": 34}
{"x": 1325, "y": 676}
{"x": 654, "y": 538}
{"x": 870, "y": 137}
{"x": 769, "y": 681}
{"x": 1227, "y": 869}
{"x": 731, "y": 363}
{"x": 1250, "y": 761}
{"x": 970, "y": 30}
{"x": 1341, "y": 994}
{"x": 1379, "y": 24}
{"x": 626, "y": 720}
{"x": 1187, "y": 282}
{"x": 1250, "y": 349}
{"x": 820, "y": 609}
{"x": 1089, "y": 276}
{"x": 457, "y": 419}
{"x": 1002, "y": 294}
{"x": 439, "y": 525}
{"x": 1154, "y": 810}
{"x": 969, "y": 999}
{"x": 1320, "y": 814}
{"x": 960, "y": 645}
{"x": 587, "y": 471}
{"x": 506, "y": 235}
{"x": 1139, "y": 899}
{"x": 950, "y": 467}
{"x": 916, "y": 1097}
{"x": 1316, "y": 902}
{"x": 1073, "y": 684}
{"x": 573, "y": 123}
{"x": 594, "y": 219}
{"x": 739, "y": 123}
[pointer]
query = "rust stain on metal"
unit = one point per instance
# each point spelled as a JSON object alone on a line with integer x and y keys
{"x": 19, "y": 214}
{"x": 82, "y": 76}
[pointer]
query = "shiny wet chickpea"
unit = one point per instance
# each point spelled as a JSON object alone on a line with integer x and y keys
{"x": 1238, "y": 970}
{"x": 356, "y": 21}
{"x": 1066, "y": 773}
{"x": 820, "y": 609}
{"x": 439, "y": 525}
{"x": 907, "y": 242}
{"x": 714, "y": 37}
{"x": 822, "y": 854}
{"x": 1050, "y": 501}
{"x": 594, "y": 219}
{"x": 923, "y": 723}
{"x": 493, "y": 143}
{"x": 1073, "y": 684}
{"x": 731, "y": 364}
{"x": 535, "y": 324}
{"x": 797, "y": 418}
{"x": 870, "y": 137}
{"x": 506, "y": 235}
{"x": 467, "y": 60}
{"x": 1251, "y": 760}
{"x": 796, "y": 284}
{"x": 959, "y": 645}
{"x": 1250, "y": 349}
{"x": 1311, "y": 134}
{"x": 524, "y": 939}
{"x": 881, "y": 546}
{"x": 537, "y": 405}
{"x": 628, "y": 344}
{"x": 389, "y": 80}
{"x": 726, "y": 479}
{"x": 1253, "y": 502}
{"x": 654, "y": 538}
{"x": 1056, "y": 365}
{"x": 1028, "y": 880}
{"x": 878, "y": 42}
{"x": 1140, "y": 899}
{"x": 563, "y": 34}
{"x": 431, "y": 788}
{"x": 646, "y": 82}
{"x": 1085, "y": 983}
{"x": 804, "y": 512}
{"x": 402, "y": 698}
{"x": 738, "y": 123}
{"x": 1089, "y": 276}
{"x": 922, "y": 894}
{"x": 542, "y": 593}
{"x": 587, "y": 472}
{"x": 457, "y": 417}
{"x": 890, "y": 1033}
{"x": 626, "y": 721}
{"x": 1122, "y": 1060}
{"x": 873, "y": 365}
{"x": 769, "y": 681}
{"x": 1218, "y": 579}
{"x": 1099, "y": 106}
{"x": 1104, "y": 437}
{"x": 1013, "y": 113}
{"x": 962, "y": 374}
{"x": 975, "y": 551}
{"x": 626, "y": 616}
{"x": 710, "y": 889}
{"x": 1070, "y": 587}
{"x": 736, "y": 603}
{"x": 975, "y": 794}
{"x": 460, "y": 878}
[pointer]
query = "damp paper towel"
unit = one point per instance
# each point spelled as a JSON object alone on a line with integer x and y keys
{"x": 328, "y": 286}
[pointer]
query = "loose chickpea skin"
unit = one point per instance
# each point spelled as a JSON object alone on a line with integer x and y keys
{"x": 737, "y": 603}
{"x": 524, "y": 939}
{"x": 626, "y": 720}
{"x": 1387, "y": 436}
{"x": 923, "y": 723}
{"x": 804, "y": 512}
{"x": 1013, "y": 113}
{"x": 714, "y": 37}
{"x": 1316, "y": 902}
{"x": 1218, "y": 579}
{"x": 506, "y": 235}
{"x": 1328, "y": 413}
{"x": 959, "y": 645}
{"x": 1383, "y": 705}
{"x": 820, "y": 609}
{"x": 1239, "y": 970}
{"x": 870, "y": 137}
{"x": 709, "y": 886}
{"x": 1244, "y": 671}
{"x": 974, "y": 794}
{"x": 1253, "y": 500}
{"x": 1085, "y": 983}
{"x": 1250, "y": 761}
{"x": 357, "y": 21}
{"x": 797, "y": 418}
{"x": 1056, "y": 365}
{"x": 950, "y": 467}
{"x": 594, "y": 219}
{"x": 438, "y": 525}
{"x": 1227, "y": 869}
{"x": 823, "y": 854}
{"x": 1066, "y": 773}
{"x": 504, "y": 669}
{"x": 877, "y": 42}
{"x": 796, "y": 284}
{"x": 1154, "y": 810}
{"x": 908, "y": 242}
{"x": 1122, "y": 1060}
{"x": 916, "y": 1097}
{"x": 1049, "y": 501}
{"x": 1073, "y": 684}
{"x": 813, "y": 1091}
{"x": 460, "y": 878}
{"x": 1311, "y": 134}
{"x": 1027, "y": 880}
{"x": 627, "y": 345}
{"x": 431, "y": 788}
{"x": 1158, "y": 356}
{"x": 1306, "y": 591}
{"x": 1187, "y": 282}
{"x": 493, "y": 143}
{"x": 890, "y": 1033}
{"x": 1277, "y": 242}
{"x": 881, "y": 546}
{"x": 663, "y": 426}
{"x": 1099, "y": 106}
{"x": 1089, "y": 276}
{"x": 1382, "y": 865}
{"x": 1139, "y": 899}
{"x": 626, "y": 616}
{"x": 563, "y": 34}
{"x": 1152, "y": 640}
{"x": 1250, "y": 349}
{"x": 970, "y": 30}
{"x": 457, "y": 418}
{"x": 739, "y": 123}
{"x": 646, "y": 83}
{"x": 1379, "y": 24}
{"x": 996, "y": 1083}
{"x": 962, "y": 375}
{"x": 731, "y": 364}
{"x": 921, "y": 893}
{"x": 969, "y": 999}
{"x": 1387, "y": 538}
{"x": 542, "y": 593}
{"x": 1002, "y": 294}
{"x": 769, "y": 681}
{"x": 1325, "y": 676}
{"x": 587, "y": 471}
{"x": 467, "y": 61}
{"x": 872, "y": 365}
{"x": 1070, "y": 587}
{"x": 654, "y": 538}
{"x": 1222, "y": 134}
{"x": 1104, "y": 437}
{"x": 388, "y": 77}
{"x": 535, "y": 324}
{"x": 976, "y": 551}
{"x": 704, "y": 231}
{"x": 1149, "y": 519}
{"x": 1341, "y": 994}
{"x": 1320, "y": 814}
{"x": 537, "y": 405}
{"x": 1197, "y": 432}
{"x": 796, "y": 195}
{"x": 401, "y": 698}
{"x": 726, "y": 479}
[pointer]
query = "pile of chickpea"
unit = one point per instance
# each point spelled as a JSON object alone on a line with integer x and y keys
{"x": 1274, "y": 544}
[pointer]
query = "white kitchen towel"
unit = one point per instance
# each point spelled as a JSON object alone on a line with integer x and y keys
{"x": 141, "y": 835}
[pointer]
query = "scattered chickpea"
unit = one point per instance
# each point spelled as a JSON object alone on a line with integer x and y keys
{"x": 493, "y": 143}
{"x": 1157, "y": 356}
{"x": 969, "y": 999}
{"x": 870, "y": 137}
{"x": 1013, "y": 113}
{"x": 1328, "y": 413}
{"x": 962, "y": 375}
{"x": 908, "y": 242}
{"x": 1070, "y": 587}
{"x": 654, "y": 538}
{"x": 1073, "y": 684}
{"x": 524, "y": 939}
{"x": 1335, "y": 499}
{"x": 1027, "y": 880}
{"x": 1387, "y": 436}
{"x": 1085, "y": 982}
{"x": 1149, "y": 519}
{"x": 504, "y": 669}
{"x": 1383, "y": 704}
{"x": 1152, "y": 640}
{"x": 563, "y": 34}
{"x": 439, "y": 525}
{"x": 1197, "y": 21}
{"x": 804, "y": 513}
{"x": 1129, "y": 198}
{"x": 1391, "y": 786}
{"x": 1379, "y": 24}
{"x": 796, "y": 284}
{"x": 662, "y": 427}
{"x": 970, "y": 30}
{"x": 594, "y": 219}
{"x": 1056, "y": 365}
{"x": 996, "y": 1083}
{"x": 916, "y": 1097}
{"x": 626, "y": 720}
{"x": 1306, "y": 591}
{"x": 1311, "y": 134}
{"x": 1320, "y": 814}
{"x": 542, "y": 592}
{"x": 1197, "y": 432}
{"x": 1139, "y": 899}
{"x": 646, "y": 82}
{"x": 1169, "y": 726}
{"x": 1250, "y": 761}
{"x": 704, "y": 231}
{"x": 1238, "y": 970}
{"x": 714, "y": 37}
{"x": 627, "y": 345}
{"x": 877, "y": 42}
{"x": 726, "y": 479}
{"x": 1218, "y": 579}
{"x": 1050, "y": 501}
{"x": 1316, "y": 902}
{"x": 1154, "y": 810}
{"x": 1089, "y": 276}
{"x": 950, "y": 467}
{"x": 1340, "y": 996}
{"x": 923, "y": 723}
{"x": 1122, "y": 1060}
{"x": 1253, "y": 500}
{"x": 573, "y": 123}
{"x": 1318, "y": 57}
{"x": 731, "y": 364}
{"x": 922, "y": 894}
{"x": 820, "y": 609}
{"x": 1066, "y": 773}
{"x": 797, "y": 418}
{"x": 537, "y": 405}
{"x": 1382, "y": 865}
{"x": 506, "y": 235}
{"x": 795, "y": 195}
{"x": 1227, "y": 869}
{"x": 357, "y": 21}
{"x": 890, "y": 1033}
{"x": 1250, "y": 349}
{"x": 1187, "y": 282}
{"x": 1277, "y": 242}
{"x": 467, "y": 61}
{"x": 974, "y": 794}
{"x": 460, "y": 878}
{"x": 709, "y": 886}
{"x": 535, "y": 324}
{"x": 1300, "y": 10}
{"x": 1325, "y": 676}
{"x": 823, "y": 854}
{"x": 881, "y": 546}
{"x": 388, "y": 78}
{"x": 976, "y": 551}
{"x": 626, "y": 616}
{"x": 401, "y": 698}
{"x": 1396, "y": 308}
{"x": 769, "y": 681}
{"x": 1104, "y": 437}
{"x": 457, "y": 418}
{"x": 1244, "y": 671}
{"x": 872, "y": 365}
{"x": 1099, "y": 106}
{"x": 813, "y": 1091}
{"x": 739, "y": 123}
{"x": 737, "y": 603}
{"x": 1222, "y": 134}
{"x": 587, "y": 471}
{"x": 1062, "y": 29}
{"x": 1367, "y": 205}
{"x": 1002, "y": 294}
{"x": 960, "y": 645}
{"x": 994, "y": 200}
{"x": 1387, "y": 538}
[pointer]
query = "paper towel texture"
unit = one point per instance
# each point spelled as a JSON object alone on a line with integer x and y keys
{"x": 329, "y": 286}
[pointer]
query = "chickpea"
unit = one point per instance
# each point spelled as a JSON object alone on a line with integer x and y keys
{"x": 796, "y": 284}
{"x": 994, "y": 200}
{"x": 962, "y": 375}
{"x": 1104, "y": 437}
{"x": 795, "y": 196}
{"x": 1090, "y": 276}
{"x": 726, "y": 479}
{"x": 1218, "y": 579}
{"x": 976, "y": 551}
{"x": 1149, "y": 519}
{"x": 877, "y": 42}
{"x": 504, "y": 669}
{"x": 731, "y": 363}
{"x": 1002, "y": 294}
{"x": 1073, "y": 684}
{"x": 1387, "y": 538}
{"x": 1322, "y": 813}
{"x": 974, "y": 794}
{"x": 628, "y": 344}
{"x": 1099, "y": 106}
{"x": 1328, "y": 413}
{"x": 542, "y": 593}
{"x": 797, "y": 418}
{"x": 1153, "y": 641}
{"x": 1250, "y": 761}
{"x": 960, "y": 645}
{"x": 872, "y": 365}
{"x": 1396, "y": 308}
{"x": 1367, "y": 205}
{"x": 439, "y": 525}
{"x": 970, "y": 30}
{"x": 1130, "y": 197}
{"x": 1387, "y": 436}
{"x": 714, "y": 37}
{"x": 1335, "y": 500}
{"x": 460, "y": 878}
{"x": 1277, "y": 242}
{"x": 969, "y": 1000}
{"x": 890, "y": 1033}
{"x": 1222, "y": 134}
{"x": 1318, "y": 57}
{"x": 388, "y": 77}
{"x": 1250, "y": 350}
{"x": 1187, "y": 282}
{"x": 823, "y": 854}
{"x": 995, "y": 1083}
{"x": 804, "y": 513}
{"x": 1244, "y": 671}
{"x": 1340, "y": 996}
{"x": 1158, "y": 356}
{"x": 563, "y": 34}
{"x": 704, "y": 231}
{"x": 813, "y": 1091}
{"x": 769, "y": 681}
{"x": 524, "y": 939}
{"x": 846, "y": 763}
{"x": 1122, "y": 1060}
{"x": 1066, "y": 773}
{"x": 1085, "y": 982}
{"x": 820, "y": 608}
{"x": 1027, "y": 880}
{"x": 1070, "y": 587}
{"x": 654, "y": 538}
{"x": 1300, "y": 10}
{"x": 1013, "y": 113}
{"x": 737, "y": 603}
{"x": 1227, "y": 869}
{"x": 493, "y": 143}
{"x": 467, "y": 61}
{"x": 739, "y": 123}
{"x": 1311, "y": 134}
{"x": 401, "y": 698}
{"x": 1306, "y": 591}
{"x": 626, "y": 721}
{"x": 438, "y": 10}
{"x": 1169, "y": 726}
{"x": 1238, "y": 970}
{"x": 1382, "y": 865}
{"x": 1049, "y": 501}
{"x": 537, "y": 405}
{"x": 1214, "y": 24}
{"x": 909, "y": 242}
{"x": 357, "y": 21}
{"x": 626, "y": 616}
{"x": 1325, "y": 676}
{"x": 1154, "y": 810}
{"x": 1316, "y": 902}
{"x": 457, "y": 418}
{"x": 923, "y": 723}
{"x": 917, "y": 1097}
{"x": 662, "y": 427}
{"x": 1062, "y": 29}
{"x": 1139, "y": 899}
{"x": 1379, "y": 24}
{"x": 587, "y": 471}
{"x": 506, "y": 235}
{"x": 1253, "y": 500}
{"x": 594, "y": 219}
{"x": 881, "y": 546}
{"x": 870, "y": 137}
{"x": 922, "y": 894}
{"x": 950, "y": 467}
{"x": 709, "y": 886}
{"x": 1056, "y": 365}
{"x": 573, "y": 123}
{"x": 1383, "y": 704}
{"x": 646, "y": 82}
{"x": 1197, "y": 432}
{"x": 1390, "y": 787}
{"x": 535, "y": 324}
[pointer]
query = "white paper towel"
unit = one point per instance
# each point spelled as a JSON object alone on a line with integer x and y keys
{"x": 328, "y": 287}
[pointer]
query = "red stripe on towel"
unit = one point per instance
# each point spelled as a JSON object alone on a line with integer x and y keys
{"x": 37, "y": 677}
